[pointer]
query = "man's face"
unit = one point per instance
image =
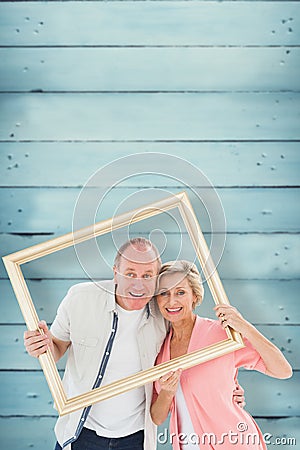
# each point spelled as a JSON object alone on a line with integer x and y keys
{"x": 135, "y": 278}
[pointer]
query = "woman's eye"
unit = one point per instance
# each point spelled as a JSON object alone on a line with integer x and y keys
{"x": 163, "y": 294}
{"x": 180, "y": 292}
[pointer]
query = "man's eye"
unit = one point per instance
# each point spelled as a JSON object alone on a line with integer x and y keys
{"x": 129, "y": 274}
{"x": 147, "y": 275}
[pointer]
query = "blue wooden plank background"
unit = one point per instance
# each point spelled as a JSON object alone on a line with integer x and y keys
{"x": 84, "y": 83}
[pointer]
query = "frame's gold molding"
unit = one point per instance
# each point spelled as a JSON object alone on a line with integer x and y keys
{"x": 13, "y": 262}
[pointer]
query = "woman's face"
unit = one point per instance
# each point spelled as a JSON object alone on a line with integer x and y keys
{"x": 175, "y": 297}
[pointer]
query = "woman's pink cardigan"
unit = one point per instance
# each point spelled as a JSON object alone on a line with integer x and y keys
{"x": 219, "y": 423}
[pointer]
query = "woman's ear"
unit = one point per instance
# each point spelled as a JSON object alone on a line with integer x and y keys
{"x": 194, "y": 304}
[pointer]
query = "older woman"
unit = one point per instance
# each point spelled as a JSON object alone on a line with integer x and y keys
{"x": 203, "y": 413}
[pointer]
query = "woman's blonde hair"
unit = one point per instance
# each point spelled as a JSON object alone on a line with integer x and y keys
{"x": 190, "y": 272}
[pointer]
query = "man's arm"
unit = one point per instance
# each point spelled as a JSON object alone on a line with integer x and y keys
{"x": 36, "y": 343}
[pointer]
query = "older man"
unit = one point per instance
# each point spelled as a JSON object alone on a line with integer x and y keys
{"x": 111, "y": 329}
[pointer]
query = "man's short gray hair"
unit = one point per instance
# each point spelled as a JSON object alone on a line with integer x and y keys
{"x": 139, "y": 243}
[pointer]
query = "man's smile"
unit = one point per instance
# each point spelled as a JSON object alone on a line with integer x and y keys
{"x": 136, "y": 294}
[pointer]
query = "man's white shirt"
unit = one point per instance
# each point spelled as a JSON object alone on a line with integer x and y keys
{"x": 124, "y": 414}
{"x": 85, "y": 318}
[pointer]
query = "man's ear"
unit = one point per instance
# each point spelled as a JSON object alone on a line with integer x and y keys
{"x": 115, "y": 274}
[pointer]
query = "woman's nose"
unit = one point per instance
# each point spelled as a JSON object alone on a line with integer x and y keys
{"x": 172, "y": 299}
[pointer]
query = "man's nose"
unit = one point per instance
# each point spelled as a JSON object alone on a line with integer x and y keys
{"x": 138, "y": 283}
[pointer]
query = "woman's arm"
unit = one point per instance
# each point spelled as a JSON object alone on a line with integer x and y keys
{"x": 276, "y": 364}
{"x": 161, "y": 402}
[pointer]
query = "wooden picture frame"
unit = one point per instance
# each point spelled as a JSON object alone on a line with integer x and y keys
{"x": 13, "y": 264}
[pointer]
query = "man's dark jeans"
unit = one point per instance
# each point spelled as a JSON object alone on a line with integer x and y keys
{"x": 89, "y": 440}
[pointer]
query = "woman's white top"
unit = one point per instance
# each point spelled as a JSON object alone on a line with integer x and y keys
{"x": 188, "y": 440}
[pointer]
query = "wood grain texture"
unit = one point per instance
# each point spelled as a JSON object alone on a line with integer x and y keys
{"x": 27, "y": 393}
{"x": 83, "y": 83}
{"x": 149, "y": 69}
{"x": 36, "y": 432}
{"x": 124, "y": 117}
{"x": 16, "y": 358}
{"x": 246, "y": 210}
{"x": 273, "y": 302}
{"x": 251, "y": 256}
{"x": 150, "y": 23}
{"x": 71, "y": 164}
